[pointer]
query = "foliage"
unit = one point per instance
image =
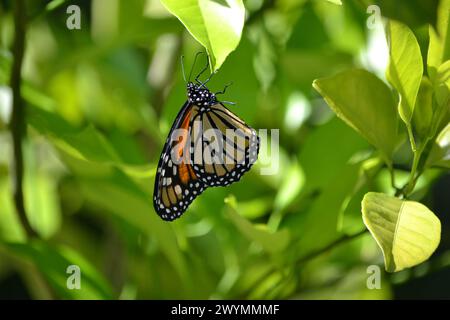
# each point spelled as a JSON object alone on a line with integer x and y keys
{"x": 100, "y": 101}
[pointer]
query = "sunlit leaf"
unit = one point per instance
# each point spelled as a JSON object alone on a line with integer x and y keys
{"x": 42, "y": 203}
{"x": 216, "y": 26}
{"x": 442, "y": 84}
{"x": 407, "y": 231}
{"x": 10, "y": 227}
{"x": 365, "y": 103}
{"x": 405, "y": 67}
{"x": 439, "y": 46}
{"x": 55, "y": 4}
{"x": 291, "y": 185}
{"x": 440, "y": 153}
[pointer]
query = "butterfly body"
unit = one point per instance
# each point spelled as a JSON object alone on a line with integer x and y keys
{"x": 199, "y": 152}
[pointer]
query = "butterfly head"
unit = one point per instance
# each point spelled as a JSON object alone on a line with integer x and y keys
{"x": 200, "y": 95}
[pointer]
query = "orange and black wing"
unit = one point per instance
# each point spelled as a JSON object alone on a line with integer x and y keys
{"x": 176, "y": 184}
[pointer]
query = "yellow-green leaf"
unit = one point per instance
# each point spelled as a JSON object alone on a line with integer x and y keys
{"x": 365, "y": 103}
{"x": 423, "y": 111}
{"x": 442, "y": 84}
{"x": 440, "y": 153}
{"x": 406, "y": 231}
{"x": 439, "y": 47}
{"x": 217, "y": 27}
{"x": 405, "y": 67}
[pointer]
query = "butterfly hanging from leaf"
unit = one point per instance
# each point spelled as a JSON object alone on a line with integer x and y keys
{"x": 207, "y": 146}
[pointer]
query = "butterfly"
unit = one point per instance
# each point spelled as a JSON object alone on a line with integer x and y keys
{"x": 207, "y": 146}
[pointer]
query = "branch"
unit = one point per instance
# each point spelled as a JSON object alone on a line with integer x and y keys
{"x": 18, "y": 116}
{"x": 332, "y": 245}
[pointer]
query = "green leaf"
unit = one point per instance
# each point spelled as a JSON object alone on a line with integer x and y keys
{"x": 431, "y": 115}
{"x": 365, "y": 103}
{"x": 217, "y": 27}
{"x": 42, "y": 202}
{"x": 53, "y": 263}
{"x": 423, "y": 111}
{"x": 322, "y": 157}
{"x": 271, "y": 242}
{"x": 55, "y": 4}
{"x": 440, "y": 152}
{"x": 325, "y": 213}
{"x": 442, "y": 84}
{"x": 338, "y": 2}
{"x": 293, "y": 181}
{"x": 405, "y": 67}
{"x": 439, "y": 47}
{"x": 122, "y": 197}
{"x": 87, "y": 144}
{"x": 5, "y": 66}
{"x": 406, "y": 231}
{"x": 10, "y": 228}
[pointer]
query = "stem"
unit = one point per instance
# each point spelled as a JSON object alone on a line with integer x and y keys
{"x": 18, "y": 115}
{"x": 330, "y": 246}
{"x": 392, "y": 174}
{"x": 412, "y": 141}
{"x": 412, "y": 177}
{"x": 409, "y": 187}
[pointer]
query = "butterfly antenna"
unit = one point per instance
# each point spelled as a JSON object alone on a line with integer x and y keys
{"x": 193, "y": 65}
{"x": 228, "y": 102}
{"x": 182, "y": 68}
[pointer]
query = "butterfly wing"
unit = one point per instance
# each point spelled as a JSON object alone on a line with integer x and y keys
{"x": 224, "y": 148}
{"x": 176, "y": 184}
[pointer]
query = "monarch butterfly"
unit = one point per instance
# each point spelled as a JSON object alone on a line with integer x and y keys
{"x": 207, "y": 146}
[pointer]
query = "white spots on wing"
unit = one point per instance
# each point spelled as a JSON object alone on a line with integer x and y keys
{"x": 204, "y": 100}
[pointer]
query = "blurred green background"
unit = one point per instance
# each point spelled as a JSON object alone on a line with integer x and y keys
{"x": 99, "y": 104}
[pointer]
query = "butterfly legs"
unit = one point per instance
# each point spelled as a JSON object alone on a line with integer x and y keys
{"x": 202, "y": 84}
{"x": 202, "y": 71}
{"x": 224, "y": 89}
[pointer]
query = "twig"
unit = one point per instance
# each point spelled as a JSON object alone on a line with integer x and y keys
{"x": 18, "y": 115}
{"x": 330, "y": 246}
